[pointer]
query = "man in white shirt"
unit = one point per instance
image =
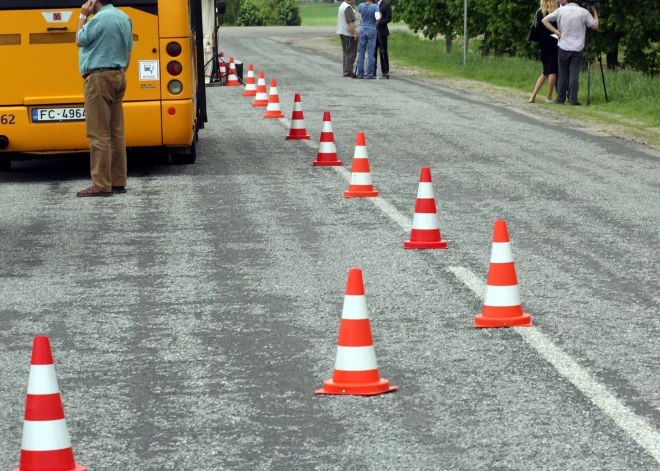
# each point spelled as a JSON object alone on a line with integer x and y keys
{"x": 348, "y": 35}
{"x": 572, "y": 23}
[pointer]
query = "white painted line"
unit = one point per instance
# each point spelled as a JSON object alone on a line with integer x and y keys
{"x": 643, "y": 433}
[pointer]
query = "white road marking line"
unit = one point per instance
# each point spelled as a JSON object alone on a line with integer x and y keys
{"x": 644, "y": 434}
{"x": 647, "y": 437}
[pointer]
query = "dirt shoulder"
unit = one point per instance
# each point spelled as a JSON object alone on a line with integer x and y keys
{"x": 632, "y": 133}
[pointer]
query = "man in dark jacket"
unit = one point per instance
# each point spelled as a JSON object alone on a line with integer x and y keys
{"x": 382, "y": 32}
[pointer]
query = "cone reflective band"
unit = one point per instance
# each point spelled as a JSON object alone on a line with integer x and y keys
{"x": 221, "y": 64}
{"x": 250, "y": 84}
{"x": 45, "y": 444}
{"x": 232, "y": 80}
{"x": 298, "y": 131}
{"x": 261, "y": 98}
{"x": 502, "y": 306}
{"x": 356, "y": 370}
{"x": 361, "y": 184}
{"x": 327, "y": 154}
{"x": 273, "y": 110}
{"x": 425, "y": 232}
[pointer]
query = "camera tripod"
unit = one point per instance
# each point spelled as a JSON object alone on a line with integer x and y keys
{"x": 590, "y": 59}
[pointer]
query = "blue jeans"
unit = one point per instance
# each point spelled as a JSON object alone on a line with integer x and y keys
{"x": 367, "y": 39}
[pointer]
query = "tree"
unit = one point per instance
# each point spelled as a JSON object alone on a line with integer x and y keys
{"x": 250, "y": 14}
{"x": 432, "y": 17}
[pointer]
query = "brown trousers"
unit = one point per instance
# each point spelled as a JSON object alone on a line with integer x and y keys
{"x": 104, "y": 95}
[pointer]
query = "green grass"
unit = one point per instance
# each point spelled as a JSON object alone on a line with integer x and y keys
{"x": 634, "y": 98}
{"x": 321, "y": 14}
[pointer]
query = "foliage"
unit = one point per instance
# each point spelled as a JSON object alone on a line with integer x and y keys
{"x": 231, "y": 13}
{"x": 250, "y": 14}
{"x": 269, "y": 13}
{"x": 632, "y": 26}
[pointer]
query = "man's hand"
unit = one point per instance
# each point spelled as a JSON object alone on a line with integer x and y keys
{"x": 355, "y": 36}
{"x": 87, "y": 8}
{"x": 558, "y": 33}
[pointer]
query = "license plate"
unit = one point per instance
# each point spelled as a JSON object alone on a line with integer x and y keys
{"x": 40, "y": 115}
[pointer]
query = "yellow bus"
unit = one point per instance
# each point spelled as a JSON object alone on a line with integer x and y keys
{"x": 41, "y": 89}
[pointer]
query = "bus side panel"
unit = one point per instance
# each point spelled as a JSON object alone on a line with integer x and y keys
{"x": 174, "y": 18}
{"x": 178, "y": 129}
{"x": 142, "y": 127}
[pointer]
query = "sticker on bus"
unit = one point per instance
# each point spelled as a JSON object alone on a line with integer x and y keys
{"x": 149, "y": 70}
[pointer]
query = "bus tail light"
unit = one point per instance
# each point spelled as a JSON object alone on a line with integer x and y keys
{"x": 175, "y": 87}
{"x": 174, "y": 68}
{"x": 174, "y": 49}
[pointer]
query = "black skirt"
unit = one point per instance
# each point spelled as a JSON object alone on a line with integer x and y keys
{"x": 549, "y": 58}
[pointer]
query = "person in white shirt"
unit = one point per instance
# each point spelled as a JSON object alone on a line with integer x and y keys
{"x": 348, "y": 35}
{"x": 572, "y": 23}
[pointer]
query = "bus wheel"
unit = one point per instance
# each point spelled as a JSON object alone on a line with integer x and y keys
{"x": 186, "y": 159}
{"x": 5, "y": 164}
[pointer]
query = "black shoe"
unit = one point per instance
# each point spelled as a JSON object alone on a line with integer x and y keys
{"x": 119, "y": 189}
{"x": 386, "y": 76}
{"x": 577, "y": 103}
{"x": 557, "y": 102}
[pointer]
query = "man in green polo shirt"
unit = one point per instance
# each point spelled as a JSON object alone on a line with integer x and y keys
{"x": 105, "y": 43}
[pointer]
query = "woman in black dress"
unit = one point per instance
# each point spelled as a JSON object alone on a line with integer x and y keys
{"x": 548, "y": 46}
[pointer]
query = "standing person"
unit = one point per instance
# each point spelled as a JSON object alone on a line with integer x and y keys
{"x": 367, "y": 38}
{"x": 572, "y": 21}
{"x": 382, "y": 32}
{"x": 549, "y": 50}
{"x": 105, "y": 43}
{"x": 348, "y": 35}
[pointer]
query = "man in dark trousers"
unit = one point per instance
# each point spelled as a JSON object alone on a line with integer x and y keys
{"x": 382, "y": 32}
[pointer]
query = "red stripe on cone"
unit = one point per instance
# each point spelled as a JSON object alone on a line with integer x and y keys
{"x": 356, "y": 372}
{"x": 44, "y": 407}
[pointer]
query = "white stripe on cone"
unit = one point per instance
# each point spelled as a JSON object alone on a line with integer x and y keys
{"x": 355, "y": 358}
{"x": 327, "y": 126}
{"x": 297, "y": 124}
{"x": 501, "y": 296}
{"x": 360, "y": 152}
{"x": 327, "y": 148}
{"x": 425, "y": 190}
{"x": 42, "y": 380}
{"x": 261, "y": 96}
{"x": 361, "y": 178}
{"x": 355, "y": 307}
{"x": 425, "y": 221}
{"x": 47, "y": 435}
{"x": 501, "y": 253}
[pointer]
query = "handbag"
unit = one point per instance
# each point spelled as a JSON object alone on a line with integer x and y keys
{"x": 533, "y": 35}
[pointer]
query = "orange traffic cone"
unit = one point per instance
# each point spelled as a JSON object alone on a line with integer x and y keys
{"x": 273, "y": 110}
{"x": 502, "y": 307}
{"x": 223, "y": 69}
{"x": 361, "y": 182}
{"x": 298, "y": 130}
{"x": 232, "y": 80}
{"x": 425, "y": 233}
{"x": 45, "y": 445}
{"x": 327, "y": 154}
{"x": 261, "y": 98}
{"x": 250, "y": 84}
{"x": 356, "y": 371}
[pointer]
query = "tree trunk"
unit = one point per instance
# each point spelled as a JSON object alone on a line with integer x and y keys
{"x": 485, "y": 50}
{"x": 448, "y": 45}
{"x": 613, "y": 58}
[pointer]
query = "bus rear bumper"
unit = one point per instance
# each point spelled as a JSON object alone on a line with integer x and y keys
{"x": 146, "y": 125}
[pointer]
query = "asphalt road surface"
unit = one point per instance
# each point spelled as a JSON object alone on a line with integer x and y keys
{"x": 193, "y": 318}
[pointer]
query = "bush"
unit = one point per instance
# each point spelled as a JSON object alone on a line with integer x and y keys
{"x": 250, "y": 14}
{"x": 288, "y": 12}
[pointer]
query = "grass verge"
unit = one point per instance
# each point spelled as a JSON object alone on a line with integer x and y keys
{"x": 321, "y": 14}
{"x": 634, "y": 99}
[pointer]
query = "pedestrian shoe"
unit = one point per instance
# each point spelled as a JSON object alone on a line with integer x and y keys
{"x": 558, "y": 102}
{"x": 386, "y": 76}
{"x": 577, "y": 103}
{"x": 347, "y": 75}
{"x": 93, "y": 191}
{"x": 119, "y": 189}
